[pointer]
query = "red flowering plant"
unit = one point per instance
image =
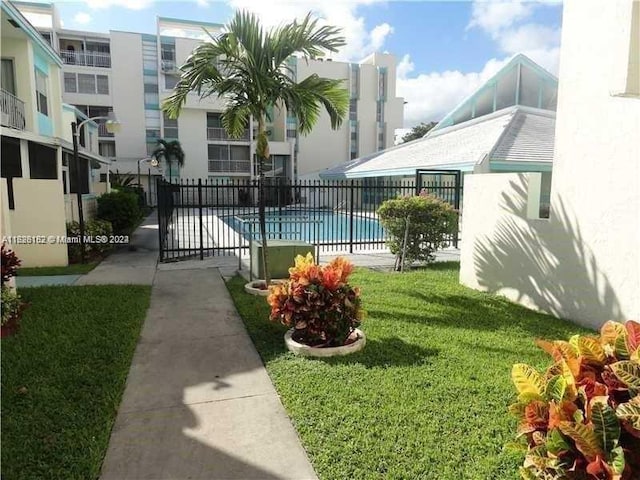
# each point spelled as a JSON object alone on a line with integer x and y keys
{"x": 317, "y": 302}
{"x": 580, "y": 419}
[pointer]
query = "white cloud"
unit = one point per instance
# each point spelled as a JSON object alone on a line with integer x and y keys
{"x": 130, "y": 4}
{"x": 494, "y": 16}
{"x": 430, "y": 96}
{"x": 344, "y": 14}
{"x": 202, "y": 3}
{"x": 82, "y": 18}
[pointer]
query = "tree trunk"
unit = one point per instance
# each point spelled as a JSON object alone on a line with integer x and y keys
{"x": 262, "y": 152}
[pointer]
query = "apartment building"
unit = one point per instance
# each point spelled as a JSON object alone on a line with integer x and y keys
{"x": 39, "y": 181}
{"x": 132, "y": 73}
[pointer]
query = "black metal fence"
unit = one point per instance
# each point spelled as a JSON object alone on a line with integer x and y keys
{"x": 201, "y": 218}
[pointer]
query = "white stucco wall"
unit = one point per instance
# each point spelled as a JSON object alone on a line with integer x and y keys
{"x": 128, "y": 99}
{"x": 29, "y": 218}
{"x": 584, "y": 262}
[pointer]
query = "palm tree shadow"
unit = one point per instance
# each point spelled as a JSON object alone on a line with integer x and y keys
{"x": 534, "y": 258}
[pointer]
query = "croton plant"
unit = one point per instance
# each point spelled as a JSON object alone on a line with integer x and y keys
{"x": 580, "y": 419}
{"x": 317, "y": 302}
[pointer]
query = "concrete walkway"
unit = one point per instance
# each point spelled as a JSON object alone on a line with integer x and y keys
{"x": 198, "y": 403}
{"x": 130, "y": 264}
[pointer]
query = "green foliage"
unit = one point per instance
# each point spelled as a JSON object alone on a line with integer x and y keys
{"x": 73, "y": 269}
{"x": 93, "y": 228}
{"x": 121, "y": 209}
{"x": 579, "y": 419}
{"x": 418, "y": 131}
{"x": 248, "y": 66}
{"x": 431, "y": 222}
{"x": 63, "y": 376}
{"x": 12, "y": 306}
{"x": 434, "y": 371}
{"x": 122, "y": 181}
{"x": 171, "y": 153}
{"x": 317, "y": 302}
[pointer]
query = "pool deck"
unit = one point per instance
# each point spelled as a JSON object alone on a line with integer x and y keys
{"x": 228, "y": 265}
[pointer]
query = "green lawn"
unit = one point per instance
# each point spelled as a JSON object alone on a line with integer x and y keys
{"x": 63, "y": 375}
{"x": 73, "y": 269}
{"x": 427, "y": 398}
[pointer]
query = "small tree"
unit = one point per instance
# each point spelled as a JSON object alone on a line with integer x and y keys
{"x": 418, "y": 131}
{"x": 424, "y": 222}
{"x": 247, "y": 66}
{"x": 171, "y": 152}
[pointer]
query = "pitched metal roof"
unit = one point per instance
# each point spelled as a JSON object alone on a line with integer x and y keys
{"x": 514, "y": 134}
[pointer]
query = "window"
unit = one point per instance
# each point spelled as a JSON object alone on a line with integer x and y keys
{"x": 46, "y": 36}
{"x": 107, "y": 149}
{"x": 170, "y": 81}
{"x": 168, "y": 52}
{"x": 153, "y": 133}
{"x": 353, "y": 109}
{"x": 150, "y": 87}
{"x": 8, "y": 76}
{"x": 355, "y": 80}
{"x": 354, "y": 139}
{"x": 42, "y": 162}
{"x": 41, "y": 92}
{"x": 102, "y": 84}
{"x": 170, "y": 127}
{"x": 86, "y": 83}
{"x": 380, "y": 111}
{"x": 214, "y": 120}
{"x": 70, "y": 84}
{"x": 382, "y": 83}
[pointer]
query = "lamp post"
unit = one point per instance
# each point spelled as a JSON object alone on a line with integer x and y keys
{"x": 153, "y": 162}
{"x": 113, "y": 126}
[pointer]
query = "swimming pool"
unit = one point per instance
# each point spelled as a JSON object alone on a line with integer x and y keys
{"x": 323, "y": 226}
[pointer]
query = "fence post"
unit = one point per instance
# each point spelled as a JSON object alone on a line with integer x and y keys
{"x": 160, "y": 215}
{"x": 351, "y": 201}
{"x": 457, "y": 207}
{"x": 200, "y": 217}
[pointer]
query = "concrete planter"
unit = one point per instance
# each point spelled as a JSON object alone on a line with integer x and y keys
{"x": 307, "y": 351}
{"x": 254, "y": 289}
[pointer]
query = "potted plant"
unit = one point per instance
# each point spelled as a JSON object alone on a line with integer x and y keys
{"x": 322, "y": 310}
{"x": 12, "y": 305}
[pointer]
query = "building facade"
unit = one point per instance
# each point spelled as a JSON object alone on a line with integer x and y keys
{"x": 39, "y": 181}
{"x": 132, "y": 73}
{"x": 583, "y": 262}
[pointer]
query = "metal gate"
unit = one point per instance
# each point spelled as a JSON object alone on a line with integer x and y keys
{"x": 201, "y": 218}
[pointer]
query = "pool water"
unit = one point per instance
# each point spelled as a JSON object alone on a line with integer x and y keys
{"x": 310, "y": 226}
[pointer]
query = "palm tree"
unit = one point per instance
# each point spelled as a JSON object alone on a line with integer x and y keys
{"x": 170, "y": 152}
{"x": 247, "y": 66}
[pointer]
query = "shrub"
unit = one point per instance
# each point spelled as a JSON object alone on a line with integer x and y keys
{"x": 431, "y": 223}
{"x": 92, "y": 228}
{"x": 10, "y": 263}
{"x": 12, "y": 306}
{"x": 317, "y": 302}
{"x": 580, "y": 419}
{"x": 121, "y": 209}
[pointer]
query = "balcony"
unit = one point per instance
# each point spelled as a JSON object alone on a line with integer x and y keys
{"x": 12, "y": 109}
{"x": 220, "y": 134}
{"x": 102, "y": 130}
{"x": 86, "y": 59}
{"x": 229, "y": 166}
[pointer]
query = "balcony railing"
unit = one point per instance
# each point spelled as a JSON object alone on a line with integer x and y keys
{"x": 215, "y": 133}
{"x": 86, "y": 59}
{"x": 102, "y": 130}
{"x": 229, "y": 166}
{"x": 12, "y": 109}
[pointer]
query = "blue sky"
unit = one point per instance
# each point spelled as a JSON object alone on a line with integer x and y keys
{"x": 445, "y": 49}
